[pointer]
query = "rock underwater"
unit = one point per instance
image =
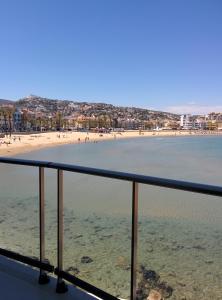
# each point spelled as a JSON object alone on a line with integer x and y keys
{"x": 150, "y": 286}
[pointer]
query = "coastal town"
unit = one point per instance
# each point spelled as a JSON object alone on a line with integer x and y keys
{"x": 38, "y": 114}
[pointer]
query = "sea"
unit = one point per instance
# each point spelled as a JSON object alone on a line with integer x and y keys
{"x": 179, "y": 233}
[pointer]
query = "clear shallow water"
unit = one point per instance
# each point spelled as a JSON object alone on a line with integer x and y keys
{"x": 180, "y": 233}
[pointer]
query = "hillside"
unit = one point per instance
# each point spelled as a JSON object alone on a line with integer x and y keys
{"x": 67, "y": 107}
{"x": 6, "y": 102}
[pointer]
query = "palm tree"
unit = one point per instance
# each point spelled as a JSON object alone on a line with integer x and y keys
{"x": 1, "y": 115}
{"x": 39, "y": 123}
{"x": 24, "y": 120}
{"x": 59, "y": 120}
{"x": 5, "y": 122}
{"x": 115, "y": 123}
{"x": 10, "y": 122}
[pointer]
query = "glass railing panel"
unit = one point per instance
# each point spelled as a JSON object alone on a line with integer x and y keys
{"x": 97, "y": 231}
{"x": 180, "y": 240}
{"x": 19, "y": 209}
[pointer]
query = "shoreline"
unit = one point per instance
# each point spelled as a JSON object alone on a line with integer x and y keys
{"x": 24, "y": 143}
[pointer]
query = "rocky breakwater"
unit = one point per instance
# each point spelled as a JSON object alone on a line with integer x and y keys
{"x": 150, "y": 286}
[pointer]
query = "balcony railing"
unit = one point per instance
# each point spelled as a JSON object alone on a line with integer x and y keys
{"x": 135, "y": 179}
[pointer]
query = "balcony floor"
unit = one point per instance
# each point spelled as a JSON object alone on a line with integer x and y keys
{"x": 20, "y": 282}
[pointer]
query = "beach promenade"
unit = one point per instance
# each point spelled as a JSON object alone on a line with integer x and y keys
{"x": 22, "y": 143}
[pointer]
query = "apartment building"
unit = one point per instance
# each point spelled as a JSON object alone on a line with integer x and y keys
{"x": 186, "y": 122}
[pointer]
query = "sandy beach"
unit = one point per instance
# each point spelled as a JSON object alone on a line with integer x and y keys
{"x": 21, "y": 143}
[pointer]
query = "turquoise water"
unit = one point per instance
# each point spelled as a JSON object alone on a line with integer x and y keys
{"x": 180, "y": 233}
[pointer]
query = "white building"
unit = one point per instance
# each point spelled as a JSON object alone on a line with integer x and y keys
{"x": 199, "y": 124}
{"x": 186, "y": 122}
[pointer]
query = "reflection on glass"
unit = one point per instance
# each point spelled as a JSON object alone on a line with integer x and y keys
{"x": 98, "y": 232}
{"x": 19, "y": 210}
{"x": 180, "y": 241}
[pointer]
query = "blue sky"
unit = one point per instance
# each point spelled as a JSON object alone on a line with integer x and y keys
{"x": 156, "y": 54}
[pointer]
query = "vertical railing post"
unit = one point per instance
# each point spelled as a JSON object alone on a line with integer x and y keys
{"x": 61, "y": 287}
{"x": 134, "y": 240}
{"x": 43, "y": 277}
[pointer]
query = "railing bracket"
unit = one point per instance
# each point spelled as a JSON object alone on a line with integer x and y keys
{"x": 44, "y": 278}
{"x": 61, "y": 287}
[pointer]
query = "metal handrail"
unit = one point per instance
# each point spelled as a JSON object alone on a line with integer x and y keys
{"x": 150, "y": 180}
{"x": 134, "y": 178}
